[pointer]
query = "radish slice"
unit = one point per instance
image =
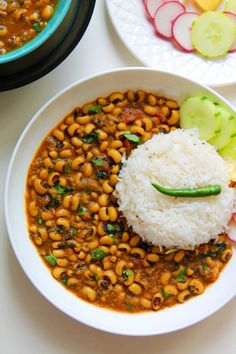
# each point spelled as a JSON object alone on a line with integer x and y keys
{"x": 165, "y": 15}
{"x": 181, "y": 30}
{"x": 234, "y": 216}
{"x": 152, "y": 6}
{"x": 232, "y": 231}
{"x": 233, "y": 17}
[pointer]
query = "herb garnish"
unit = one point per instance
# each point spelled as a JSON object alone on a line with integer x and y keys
{"x": 90, "y": 138}
{"x": 98, "y": 254}
{"x": 51, "y": 259}
{"x": 164, "y": 294}
{"x": 93, "y": 109}
{"x": 64, "y": 279}
{"x": 81, "y": 210}
{"x": 180, "y": 277}
{"x": 63, "y": 190}
{"x": 68, "y": 168}
{"x": 129, "y": 306}
{"x": 127, "y": 273}
{"x": 37, "y": 26}
{"x": 97, "y": 161}
{"x": 114, "y": 228}
{"x": 131, "y": 137}
{"x": 53, "y": 203}
{"x": 40, "y": 221}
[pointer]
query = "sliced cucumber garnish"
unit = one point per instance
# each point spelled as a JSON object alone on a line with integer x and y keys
{"x": 229, "y": 151}
{"x": 230, "y": 6}
{"x": 200, "y": 112}
{"x": 227, "y": 131}
{"x": 213, "y": 34}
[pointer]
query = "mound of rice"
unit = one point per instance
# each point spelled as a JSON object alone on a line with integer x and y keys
{"x": 175, "y": 160}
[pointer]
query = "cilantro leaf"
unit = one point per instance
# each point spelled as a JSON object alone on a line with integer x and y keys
{"x": 165, "y": 294}
{"x": 93, "y": 109}
{"x": 51, "y": 259}
{"x": 97, "y": 161}
{"x": 68, "y": 168}
{"x": 63, "y": 190}
{"x": 101, "y": 174}
{"x": 37, "y": 26}
{"x": 180, "y": 277}
{"x": 129, "y": 306}
{"x": 127, "y": 273}
{"x": 81, "y": 210}
{"x": 90, "y": 138}
{"x": 53, "y": 203}
{"x": 131, "y": 137}
{"x": 98, "y": 254}
{"x": 40, "y": 221}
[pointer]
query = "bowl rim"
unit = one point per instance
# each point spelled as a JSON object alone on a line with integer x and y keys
{"x": 61, "y": 10}
{"x": 121, "y": 317}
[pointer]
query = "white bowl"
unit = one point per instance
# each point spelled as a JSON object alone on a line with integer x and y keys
{"x": 148, "y": 323}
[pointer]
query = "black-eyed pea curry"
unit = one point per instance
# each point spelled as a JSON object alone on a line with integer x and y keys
{"x": 74, "y": 219}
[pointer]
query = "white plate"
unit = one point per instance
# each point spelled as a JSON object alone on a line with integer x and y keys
{"x": 148, "y": 323}
{"x": 137, "y": 32}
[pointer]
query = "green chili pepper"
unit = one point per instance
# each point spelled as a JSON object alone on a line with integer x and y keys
{"x": 211, "y": 189}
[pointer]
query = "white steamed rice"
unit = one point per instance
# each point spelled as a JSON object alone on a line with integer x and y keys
{"x": 175, "y": 160}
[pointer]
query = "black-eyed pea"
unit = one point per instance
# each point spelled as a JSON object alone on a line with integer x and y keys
{"x": 122, "y": 103}
{"x": 120, "y": 265}
{"x": 76, "y": 142}
{"x": 171, "y": 289}
{"x": 125, "y": 237}
{"x": 138, "y": 122}
{"x": 52, "y": 178}
{"x": 106, "y": 264}
{"x": 172, "y": 104}
{"x": 74, "y": 202}
{"x": 152, "y": 257}
{"x": 43, "y": 233}
{"x": 107, "y": 188}
{"x": 110, "y": 275}
{"x": 124, "y": 247}
{"x": 65, "y": 153}
{"x": 88, "y": 258}
{"x": 54, "y": 236}
{"x": 72, "y": 282}
{"x": 93, "y": 207}
{"x": 38, "y": 241}
{"x": 102, "y": 101}
{"x": 135, "y": 289}
{"x": 226, "y": 255}
{"x": 116, "y": 97}
{"x": 62, "y": 262}
{"x": 63, "y": 222}
{"x": 89, "y": 293}
{"x": 116, "y": 144}
{"x": 59, "y": 165}
{"x": 48, "y": 162}
{"x": 137, "y": 130}
{"x": 179, "y": 255}
{"x": 38, "y": 186}
{"x": 83, "y": 120}
{"x": 105, "y": 249}
{"x": 62, "y": 213}
{"x": 81, "y": 255}
{"x": 150, "y": 110}
{"x": 58, "y": 134}
{"x": 182, "y": 286}
{"x": 189, "y": 271}
{"x": 152, "y": 100}
{"x": 112, "y": 212}
{"x": 115, "y": 155}
{"x": 106, "y": 240}
{"x": 109, "y": 108}
{"x": 113, "y": 249}
{"x": 157, "y": 301}
{"x": 72, "y": 258}
{"x": 47, "y": 215}
{"x": 103, "y": 214}
{"x": 134, "y": 241}
{"x": 130, "y": 95}
{"x": 196, "y": 287}
{"x": 66, "y": 201}
{"x": 93, "y": 244}
{"x": 43, "y": 174}
{"x": 70, "y": 120}
{"x": 183, "y": 296}
{"x": 89, "y": 127}
{"x": 121, "y": 296}
{"x": 145, "y": 303}
{"x": 141, "y": 95}
{"x": 100, "y": 229}
{"x": 117, "y": 111}
{"x": 58, "y": 271}
{"x": 174, "y": 118}
{"x": 155, "y": 249}
{"x": 33, "y": 210}
{"x": 53, "y": 154}
{"x": 137, "y": 252}
{"x": 147, "y": 124}
{"x": 145, "y": 263}
{"x": 77, "y": 162}
{"x": 104, "y": 146}
{"x": 47, "y": 13}
{"x": 165, "y": 110}
{"x": 128, "y": 276}
{"x": 122, "y": 126}
{"x": 118, "y": 288}
{"x": 113, "y": 179}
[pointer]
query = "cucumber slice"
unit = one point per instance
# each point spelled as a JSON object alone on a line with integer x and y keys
{"x": 230, "y": 6}
{"x": 202, "y": 113}
{"x": 229, "y": 151}
{"x": 228, "y": 129}
{"x": 213, "y": 34}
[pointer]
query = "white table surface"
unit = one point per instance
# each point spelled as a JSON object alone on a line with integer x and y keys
{"x": 28, "y": 323}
